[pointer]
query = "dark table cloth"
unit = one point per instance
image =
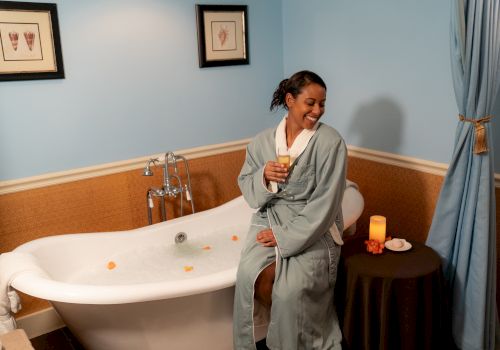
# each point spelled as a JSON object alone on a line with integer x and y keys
{"x": 394, "y": 300}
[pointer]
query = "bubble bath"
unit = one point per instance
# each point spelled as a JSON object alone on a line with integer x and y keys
{"x": 201, "y": 255}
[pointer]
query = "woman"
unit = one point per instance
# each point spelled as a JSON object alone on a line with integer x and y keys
{"x": 289, "y": 262}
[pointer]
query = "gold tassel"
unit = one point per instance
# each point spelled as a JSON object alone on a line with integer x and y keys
{"x": 480, "y": 143}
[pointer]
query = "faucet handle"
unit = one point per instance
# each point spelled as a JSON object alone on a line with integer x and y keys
{"x": 188, "y": 193}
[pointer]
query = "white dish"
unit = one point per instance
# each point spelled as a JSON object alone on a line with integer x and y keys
{"x": 391, "y": 245}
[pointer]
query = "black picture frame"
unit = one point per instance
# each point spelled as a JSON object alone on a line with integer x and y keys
{"x": 222, "y": 35}
{"x": 30, "y": 44}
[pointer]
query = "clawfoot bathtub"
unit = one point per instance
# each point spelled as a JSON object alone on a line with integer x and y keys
{"x": 139, "y": 289}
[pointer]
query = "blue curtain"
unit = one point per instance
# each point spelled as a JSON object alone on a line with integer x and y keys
{"x": 463, "y": 227}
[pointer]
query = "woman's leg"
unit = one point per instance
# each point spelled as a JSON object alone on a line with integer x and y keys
{"x": 303, "y": 314}
{"x": 253, "y": 261}
{"x": 264, "y": 285}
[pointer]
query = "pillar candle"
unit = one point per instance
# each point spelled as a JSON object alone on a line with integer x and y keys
{"x": 377, "y": 228}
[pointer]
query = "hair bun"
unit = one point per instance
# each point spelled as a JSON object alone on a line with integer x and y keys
{"x": 294, "y": 86}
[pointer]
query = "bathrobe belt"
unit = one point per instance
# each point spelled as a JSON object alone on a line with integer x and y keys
{"x": 286, "y": 201}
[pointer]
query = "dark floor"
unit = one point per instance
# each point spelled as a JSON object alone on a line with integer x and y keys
{"x": 60, "y": 339}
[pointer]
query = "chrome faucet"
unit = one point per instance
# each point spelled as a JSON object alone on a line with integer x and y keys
{"x": 169, "y": 189}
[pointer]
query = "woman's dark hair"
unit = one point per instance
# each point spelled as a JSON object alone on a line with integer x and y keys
{"x": 294, "y": 86}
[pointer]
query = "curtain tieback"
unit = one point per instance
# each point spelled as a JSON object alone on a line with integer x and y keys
{"x": 480, "y": 144}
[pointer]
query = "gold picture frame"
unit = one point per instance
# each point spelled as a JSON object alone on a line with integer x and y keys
{"x": 222, "y": 35}
{"x": 30, "y": 46}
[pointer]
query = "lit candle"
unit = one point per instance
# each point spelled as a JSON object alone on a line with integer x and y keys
{"x": 377, "y": 228}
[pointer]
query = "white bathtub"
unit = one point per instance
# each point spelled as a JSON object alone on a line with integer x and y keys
{"x": 145, "y": 301}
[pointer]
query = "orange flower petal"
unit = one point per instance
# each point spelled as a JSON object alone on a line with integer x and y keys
{"x": 188, "y": 268}
{"x": 234, "y": 238}
{"x": 207, "y": 247}
{"x": 111, "y": 265}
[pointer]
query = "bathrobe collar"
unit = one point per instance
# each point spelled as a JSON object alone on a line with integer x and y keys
{"x": 300, "y": 142}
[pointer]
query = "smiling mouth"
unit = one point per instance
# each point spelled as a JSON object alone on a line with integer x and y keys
{"x": 314, "y": 120}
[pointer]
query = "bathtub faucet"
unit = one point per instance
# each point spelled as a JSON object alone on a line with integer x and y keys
{"x": 171, "y": 162}
{"x": 172, "y": 184}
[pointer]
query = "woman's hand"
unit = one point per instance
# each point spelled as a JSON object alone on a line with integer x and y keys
{"x": 266, "y": 238}
{"x": 274, "y": 171}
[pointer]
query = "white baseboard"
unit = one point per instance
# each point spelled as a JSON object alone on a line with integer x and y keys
{"x": 40, "y": 322}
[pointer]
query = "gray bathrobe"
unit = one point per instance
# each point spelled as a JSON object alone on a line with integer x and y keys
{"x": 302, "y": 315}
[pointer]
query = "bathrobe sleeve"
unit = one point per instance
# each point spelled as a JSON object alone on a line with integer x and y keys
{"x": 251, "y": 178}
{"x": 318, "y": 215}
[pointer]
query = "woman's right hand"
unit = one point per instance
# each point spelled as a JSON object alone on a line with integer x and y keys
{"x": 266, "y": 238}
{"x": 274, "y": 171}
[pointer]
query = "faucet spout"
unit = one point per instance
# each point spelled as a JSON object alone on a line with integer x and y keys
{"x": 172, "y": 184}
{"x": 169, "y": 159}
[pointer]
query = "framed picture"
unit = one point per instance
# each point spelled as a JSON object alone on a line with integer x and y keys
{"x": 30, "y": 47}
{"x": 222, "y": 35}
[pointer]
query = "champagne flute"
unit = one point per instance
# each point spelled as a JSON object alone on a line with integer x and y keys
{"x": 284, "y": 156}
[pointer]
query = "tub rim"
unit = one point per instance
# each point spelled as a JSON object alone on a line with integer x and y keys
{"x": 42, "y": 287}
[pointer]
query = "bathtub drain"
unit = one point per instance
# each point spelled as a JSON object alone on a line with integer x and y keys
{"x": 180, "y": 237}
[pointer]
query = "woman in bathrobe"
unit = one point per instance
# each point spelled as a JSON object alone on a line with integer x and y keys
{"x": 289, "y": 262}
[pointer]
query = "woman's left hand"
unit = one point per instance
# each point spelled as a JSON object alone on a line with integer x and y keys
{"x": 266, "y": 238}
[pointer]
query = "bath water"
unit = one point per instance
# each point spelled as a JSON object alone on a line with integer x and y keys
{"x": 200, "y": 255}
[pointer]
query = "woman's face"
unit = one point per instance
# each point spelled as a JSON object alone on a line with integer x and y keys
{"x": 305, "y": 110}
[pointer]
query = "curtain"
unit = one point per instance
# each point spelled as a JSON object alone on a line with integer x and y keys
{"x": 463, "y": 227}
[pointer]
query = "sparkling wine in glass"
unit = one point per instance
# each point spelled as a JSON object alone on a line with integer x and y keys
{"x": 284, "y": 156}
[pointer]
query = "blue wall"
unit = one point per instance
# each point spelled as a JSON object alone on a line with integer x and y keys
{"x": 133, "y": 87}
{"x": 387, "y": 67}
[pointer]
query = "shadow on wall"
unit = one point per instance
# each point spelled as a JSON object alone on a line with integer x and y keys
{"x": 377, "y": 125}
